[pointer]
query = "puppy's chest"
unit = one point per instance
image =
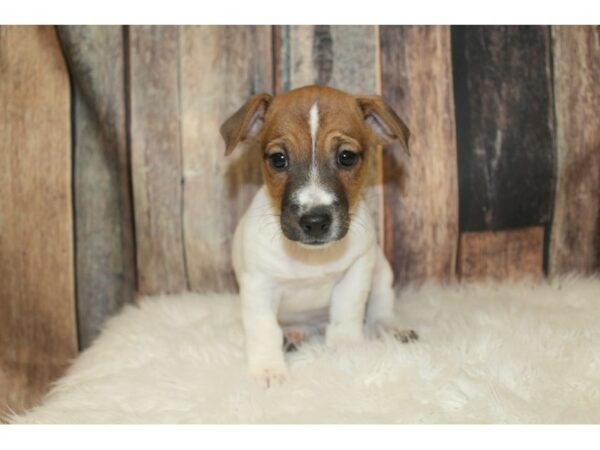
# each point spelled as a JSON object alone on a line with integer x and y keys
{"x": 305, "y": 300}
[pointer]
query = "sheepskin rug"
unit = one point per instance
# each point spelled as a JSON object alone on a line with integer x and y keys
{"x": 487, "y": 353}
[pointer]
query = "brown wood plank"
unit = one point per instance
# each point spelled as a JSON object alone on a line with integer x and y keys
{"x": 421, "y": 196}
{"x": 105, "y": 254}
{"x": 221, "y": 67}
{"x": 501, "y": 255}
{"x": 575, "y": 238}
{"x": 156, "y": 158}
{"x": 37, "y": 306}
{"x": 344, "y": 57}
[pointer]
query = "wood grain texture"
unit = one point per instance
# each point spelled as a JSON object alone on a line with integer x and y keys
{"x": 575, "y": 239}
{"x": 504, "y": 118}
{"x": 421, "y": 210}
{"x": 344, "y": 57}
{"x": 105, "y": 255}
{"x": 221, "y": 67}
{"x": 156, "y": 158}
{"x": 37, "y": 306}
{"x": 501, "y": 255}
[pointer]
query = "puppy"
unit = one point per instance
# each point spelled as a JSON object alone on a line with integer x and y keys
{"x": 305, "y": 253}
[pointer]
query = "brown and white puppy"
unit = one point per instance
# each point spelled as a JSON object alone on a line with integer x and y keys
{"x": 305, "y": 253}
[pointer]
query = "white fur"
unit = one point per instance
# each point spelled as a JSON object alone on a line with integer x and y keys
{"x": 283, "y": 282}
{"x": 313, "y": 124}
{"x": 313, "y": 194}
{"x": 513, "y": 352}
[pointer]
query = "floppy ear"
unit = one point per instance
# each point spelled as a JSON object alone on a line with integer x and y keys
{"x": 246, "y": 122}
{"x": 383, "y": 121}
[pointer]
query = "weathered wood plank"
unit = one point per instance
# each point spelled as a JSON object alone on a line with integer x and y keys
{"x": 504, "y": 118}
{"x": 37, "y": 306}
{"x": 501, "y": 255}
{"x": 105, "y": 255}
{"x": 156, "y": 158}
{"x": 344, "y": 57}
{"x": 220, "y": 68}
{"x": 421, "y": 210}
{"x": 575, "y": 239}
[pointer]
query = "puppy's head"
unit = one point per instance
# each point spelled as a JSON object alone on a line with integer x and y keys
{"x": 315, "y": 142}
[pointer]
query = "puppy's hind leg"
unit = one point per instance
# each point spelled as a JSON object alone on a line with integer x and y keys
{"x": 380, "y": 308}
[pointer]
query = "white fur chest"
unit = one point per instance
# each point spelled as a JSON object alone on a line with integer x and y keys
{"x": 301, "y": 278}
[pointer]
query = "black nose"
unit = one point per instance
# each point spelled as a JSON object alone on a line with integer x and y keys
{"x": 315, "y": 224}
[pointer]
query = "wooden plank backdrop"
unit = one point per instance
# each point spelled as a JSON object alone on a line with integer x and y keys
{"x": 504, "y": 122}
{"x": 505, "y": 133}
{"x": 220, "y": 68}
{"x": 104, "y": 257}
{"x": 156, "y": 158}
{"x": 37, "y": 302}
{"x": 421, "y": 201}
{"x": 504, "y": 167}
{"x": 575, "y": 243}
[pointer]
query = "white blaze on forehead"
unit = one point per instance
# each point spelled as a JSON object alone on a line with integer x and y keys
{"x": 313, "y": 123}
{"x": 313, "y": 193}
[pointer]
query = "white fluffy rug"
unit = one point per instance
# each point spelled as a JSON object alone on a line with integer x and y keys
{"x": 520, "y": 353}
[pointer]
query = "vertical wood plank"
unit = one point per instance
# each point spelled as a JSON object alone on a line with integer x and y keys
{"x": 221, "y": 67}
{"x": 105, "y": 255}
{"x": 156, "y": 158}
{"x": 37, "y": 307}
{"x": 504, "y": 115}
{"x": 501, "y": 255}
{"x": 344, "y": 57}
{"x": 575, "y": 240}
{"x": 421, "y": 210}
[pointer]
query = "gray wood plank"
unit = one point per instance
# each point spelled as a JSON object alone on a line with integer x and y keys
{"x": 156, "y": 158}
{"x": 105, "y": 259}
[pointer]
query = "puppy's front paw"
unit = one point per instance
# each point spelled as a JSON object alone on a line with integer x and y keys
{"x": 269, "y": 375}
{"x": 402, "y": 334}
{"x": 405, "y": 336}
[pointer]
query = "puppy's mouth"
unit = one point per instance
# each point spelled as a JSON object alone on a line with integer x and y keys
{"x": 316, "y": 243}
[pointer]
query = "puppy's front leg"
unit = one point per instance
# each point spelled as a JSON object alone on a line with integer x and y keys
{"x": 263, "y": 335}
{"x": 348, "y": 302}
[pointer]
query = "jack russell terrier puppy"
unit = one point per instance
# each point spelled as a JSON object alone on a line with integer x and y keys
{"x": 305, "y": 253}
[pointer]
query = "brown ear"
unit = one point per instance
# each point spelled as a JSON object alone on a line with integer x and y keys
{"x": 246, "y": 122}
{"x": 383, "y": 121}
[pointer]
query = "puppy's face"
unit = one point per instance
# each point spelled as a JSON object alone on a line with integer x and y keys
{"x": 315, "y": 143}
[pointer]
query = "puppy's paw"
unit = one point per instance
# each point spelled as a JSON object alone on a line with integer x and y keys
{"x": 405, "y": 336}
{"x": 270, "y": 375}
{"x": 380, "y": 328}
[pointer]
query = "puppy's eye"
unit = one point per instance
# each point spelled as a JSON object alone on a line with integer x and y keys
{"x": 278, "y": 160}
{"x": 347, "y": 158}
